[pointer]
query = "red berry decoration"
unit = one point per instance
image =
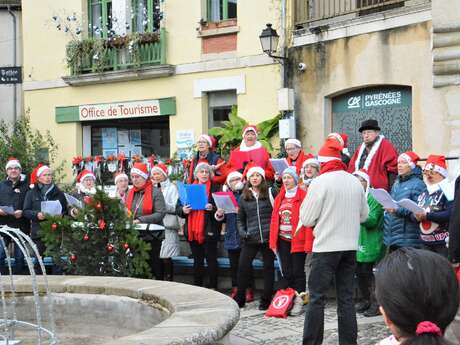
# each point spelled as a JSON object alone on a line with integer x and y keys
{"x": 101, "y": 224}
{"x": 109, "y": 248}
{"x": 87, "y": 200}
{"x": 54, "y": 226}
{"x": 99, "y": 206}
{"x": 73, "y": 258}
{"x": 126, "y": 246}
{"x": 86, "y": 237}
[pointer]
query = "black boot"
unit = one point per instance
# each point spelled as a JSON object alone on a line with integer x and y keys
{"x": 264, "y": 304}
{"x": 373, "y": 310}
{"x": 362, "y": 306}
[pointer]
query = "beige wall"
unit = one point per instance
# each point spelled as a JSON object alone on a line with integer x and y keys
{"x": 399, "y": 56}
{"x": 258, "y": 103}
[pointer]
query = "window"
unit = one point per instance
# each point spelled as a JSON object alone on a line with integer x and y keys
{"x": 146, "y": 15}
{"x": 100, "y": 17}
{"x": 221, "y": 10}
{"x": 141, "y": 137}
{"x": 220, "y": 105}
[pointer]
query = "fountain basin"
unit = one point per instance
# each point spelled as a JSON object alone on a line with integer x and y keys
{"x": 128, "y": 311}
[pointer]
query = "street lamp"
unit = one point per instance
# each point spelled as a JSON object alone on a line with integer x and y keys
{"x": 269, "y": 39}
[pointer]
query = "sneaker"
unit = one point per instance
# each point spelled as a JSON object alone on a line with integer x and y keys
{"x": 373, "y": 310}
{"x": 362, "y": 306}
{"x": 249, "y": 295}
{"x": 297, "y": 306}
{"x": 263, "y": 305}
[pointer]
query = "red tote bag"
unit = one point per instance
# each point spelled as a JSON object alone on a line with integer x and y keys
{"x": 281, "y": 303}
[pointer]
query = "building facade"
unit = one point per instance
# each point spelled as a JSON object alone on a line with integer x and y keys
{"x": 148, "y": 74}
{"x": 10, "y": 60}
{"x": 395, "y": 61}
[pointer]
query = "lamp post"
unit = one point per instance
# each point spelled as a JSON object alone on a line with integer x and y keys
{"x": 269, "y": 39}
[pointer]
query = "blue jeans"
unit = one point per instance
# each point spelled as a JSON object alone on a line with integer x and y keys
{"x": 18, "y": 258}
{"x": 325, "y": 268}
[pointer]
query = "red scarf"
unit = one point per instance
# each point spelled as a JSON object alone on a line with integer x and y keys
{"x": 298, "y": 162}
{"x": 334, "y": 165}
{"x": 147, "y": 202}
{"x": 195, "y": 221}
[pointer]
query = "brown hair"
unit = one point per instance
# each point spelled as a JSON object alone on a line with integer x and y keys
{"x": 263, "y": 190}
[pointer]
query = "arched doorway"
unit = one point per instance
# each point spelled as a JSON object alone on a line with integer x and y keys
{"x": 391, "y": 106}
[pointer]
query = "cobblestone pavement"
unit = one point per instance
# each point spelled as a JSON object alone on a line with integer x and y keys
{"x": 255, "y": 329}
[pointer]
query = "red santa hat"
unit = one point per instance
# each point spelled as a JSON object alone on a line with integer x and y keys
{"x": 342, "y": 138}
{"x": 255, "y": 169}
{"x": 160, "y": 167}
{"x": 13, "y": 163}
{"x": 140, "y": 169}
{"x": 364, "y": 175}
{"x": 437, "y": 163}
{"x": 85, "y": 174}
{"x": 295, "y": 142}
{"x": 248, "y": 128}
{"x": 119, "y": 176}
{"x": 410, "y": 157}
{"x": 232, "y": 175}
{"x": 210, "y": 139}
{"x": 310, "y": 160}
{"x": 39, "y": 169}
{"x": 331, "y": 150}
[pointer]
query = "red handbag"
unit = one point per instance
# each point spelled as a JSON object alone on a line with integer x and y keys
{"x": 281, "y": 303}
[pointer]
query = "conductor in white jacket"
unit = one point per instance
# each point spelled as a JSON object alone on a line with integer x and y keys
{"x": 334, "y": 206}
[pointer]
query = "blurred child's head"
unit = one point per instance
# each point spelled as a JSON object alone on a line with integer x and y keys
{"x": 418, "y": 295}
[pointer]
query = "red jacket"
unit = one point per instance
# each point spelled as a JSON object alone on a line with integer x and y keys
{"x": 303, "y": 240}
{"x": 302, "y": 157}
{"x": 384, "y": 161}
{"x": 260, "y": 157}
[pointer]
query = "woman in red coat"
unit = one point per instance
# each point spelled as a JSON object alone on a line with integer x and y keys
{"x": 250, "y": 150}
{"x": 289, "y": 243}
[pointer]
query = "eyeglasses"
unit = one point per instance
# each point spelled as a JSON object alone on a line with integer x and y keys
{"x": 292, "y": 149}
{"x": 14, "y": 168}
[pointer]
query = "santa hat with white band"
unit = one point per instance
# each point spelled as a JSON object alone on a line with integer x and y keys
{"x": 249, "y": 128}
{"x": 255, "y": 169}
{"x": 410, "y": 157}
{"x": 295, "y": 142}
{"x": 141, "y": 170}
{"x": 13, "y": 163}
{"x": 437, "y": 163}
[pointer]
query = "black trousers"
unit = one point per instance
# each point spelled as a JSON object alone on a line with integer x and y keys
{"x": 324, "y": 268}
{"x": 156, "y": 264}
{"x": 293, "y": 267}
{"x": 248, "y": 253}
{"x": 208, "y": 251}
{"x": 234, "y": 257}
{"x": 365, "y": 276}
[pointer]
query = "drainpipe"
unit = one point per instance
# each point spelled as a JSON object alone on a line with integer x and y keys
{"x": 284, "y": 68}
{"x": 14, "y": 62}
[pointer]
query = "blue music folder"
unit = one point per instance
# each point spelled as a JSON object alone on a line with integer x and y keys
{"x": 196, "y": 196}
{"x": 182, "y": 193}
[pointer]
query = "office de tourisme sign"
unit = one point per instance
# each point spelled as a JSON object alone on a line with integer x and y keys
{"x": 121, "y": 110}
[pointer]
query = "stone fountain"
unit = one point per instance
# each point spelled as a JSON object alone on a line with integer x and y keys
{"x": 70, "y": 310}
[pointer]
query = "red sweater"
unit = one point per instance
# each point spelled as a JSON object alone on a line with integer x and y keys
{"x": 384, "y": 161}
{"x": 302, "y": 241}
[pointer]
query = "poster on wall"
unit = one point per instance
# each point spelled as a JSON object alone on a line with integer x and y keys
{"x": 184, "y": 143}
{"x": 135, "y": 136}
{"x": 123, "y": 137}
{"x": 109, "y": 152}
{"x": 109, "y": 138}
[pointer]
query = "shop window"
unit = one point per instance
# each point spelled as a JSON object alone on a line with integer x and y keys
{"x": 100, "y": 17}
{"x": 131, "y": 138}
{"x": 146, "y": 15}
{"x": 220, "y": 105}
{"x": 221, "y": 10}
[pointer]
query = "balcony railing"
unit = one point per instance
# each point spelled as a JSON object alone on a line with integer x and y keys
{"x": 114, "y": 58}
{"x": 307, "y": 11}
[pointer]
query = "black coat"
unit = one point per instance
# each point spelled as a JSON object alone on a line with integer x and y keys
{"x": 254, "y": 218}
{"x": 32, "y": 206}
{"x": 14, "y": 195}
{"x": 454, "y": 226}
{"x": 212, "y": 226}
